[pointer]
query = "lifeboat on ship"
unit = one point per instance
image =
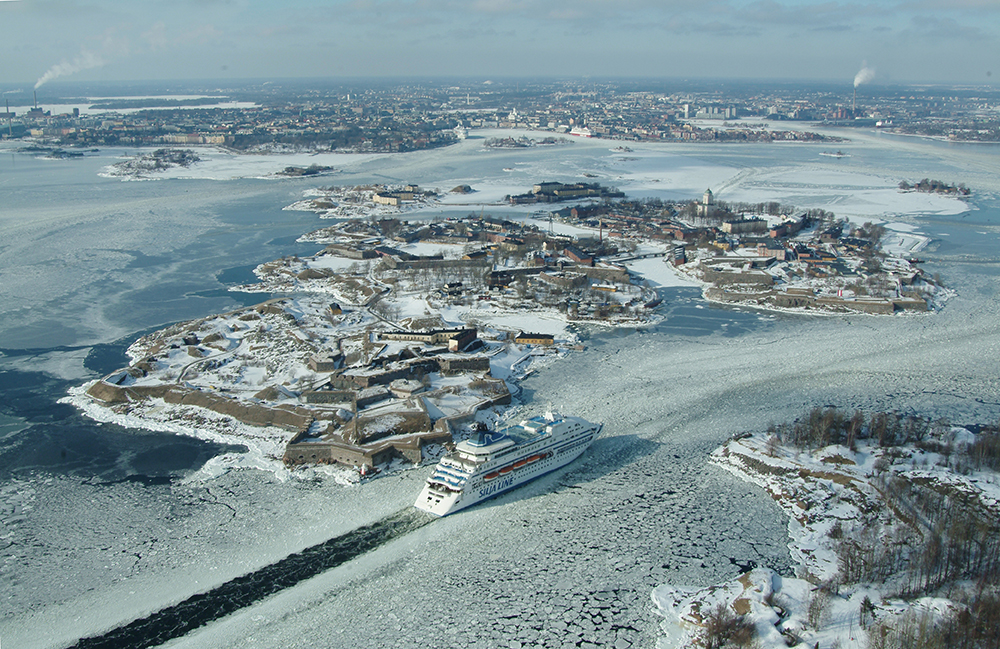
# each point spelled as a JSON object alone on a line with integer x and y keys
{"x": 507, "y": 469}
{"x": 520, "y": 463}
{"x": 491, "y": 476}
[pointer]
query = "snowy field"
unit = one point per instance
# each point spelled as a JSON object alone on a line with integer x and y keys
{"x": 570, "y": 559}
{"x": 671, "y": 171}
{"x": 901, "y": 240}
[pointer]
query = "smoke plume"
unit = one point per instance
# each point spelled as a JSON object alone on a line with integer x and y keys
{"x": 84, "y": 61}
{"x": 864, "y": 75}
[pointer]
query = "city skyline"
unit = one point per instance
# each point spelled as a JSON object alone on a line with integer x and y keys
{"x": 913, "y": 41}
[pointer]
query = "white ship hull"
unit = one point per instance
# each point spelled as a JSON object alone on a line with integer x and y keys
{"x": 475, "y": 472}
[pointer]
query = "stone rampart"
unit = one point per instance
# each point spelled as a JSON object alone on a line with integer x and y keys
{"x": 749, "y": 278}
{"x": 287, "y": 417}
{"x": 791, "y": 300}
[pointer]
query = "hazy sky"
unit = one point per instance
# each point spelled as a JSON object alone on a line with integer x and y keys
{"x": 909, "y": 41}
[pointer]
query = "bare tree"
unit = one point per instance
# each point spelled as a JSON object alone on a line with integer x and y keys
{"x": 724, "y": 628}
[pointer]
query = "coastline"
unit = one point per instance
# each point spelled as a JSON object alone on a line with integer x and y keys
{"x": 826, "y": 493}
{"x": 683, "y": 383}
{"x": 330, "y": 273}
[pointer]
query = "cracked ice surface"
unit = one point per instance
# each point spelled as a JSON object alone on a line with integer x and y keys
{"x": 145, "y": 546}
{"x": 572, "y": 558}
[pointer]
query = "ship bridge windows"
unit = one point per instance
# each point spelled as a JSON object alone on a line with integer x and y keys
{"x": 459, "y": 464}
{"x": 469, "y": 461}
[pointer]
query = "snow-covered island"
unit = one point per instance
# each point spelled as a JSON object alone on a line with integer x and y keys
{"x": 380, "y": 354}
{"x": 523, "y": 142}
{"x": 142, "y": 165}
{"x": 304, "y": 380}
{"x": 892, "y": 525}
{"x": 397, "y": 333}
{"x": 629, "y": 530}
{"x": 364, "y": 201}
{"x": 311, "y": 170}
{"x": 780, "y": 258}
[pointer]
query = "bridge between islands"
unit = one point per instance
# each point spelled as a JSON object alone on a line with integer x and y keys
{"x": 648, "y": 255}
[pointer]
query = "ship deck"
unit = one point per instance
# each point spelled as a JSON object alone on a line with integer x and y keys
{"x": 521, "y": 435}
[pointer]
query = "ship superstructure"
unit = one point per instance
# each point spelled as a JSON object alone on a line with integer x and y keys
{"x": 493, "y": 462}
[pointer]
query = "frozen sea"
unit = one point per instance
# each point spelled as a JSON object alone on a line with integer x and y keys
{"x": 100, "y": 525}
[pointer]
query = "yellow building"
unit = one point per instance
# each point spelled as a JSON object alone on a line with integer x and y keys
{"x": 525, "y": 338}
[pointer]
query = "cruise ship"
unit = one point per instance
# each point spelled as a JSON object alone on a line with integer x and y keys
{"x": 493, "y": 462}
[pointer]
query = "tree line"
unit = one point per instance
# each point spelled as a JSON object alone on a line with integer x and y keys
{"x": 935, "y": 186}
{"x": 831, "y": 426}
{"x": 942, "y": 541}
